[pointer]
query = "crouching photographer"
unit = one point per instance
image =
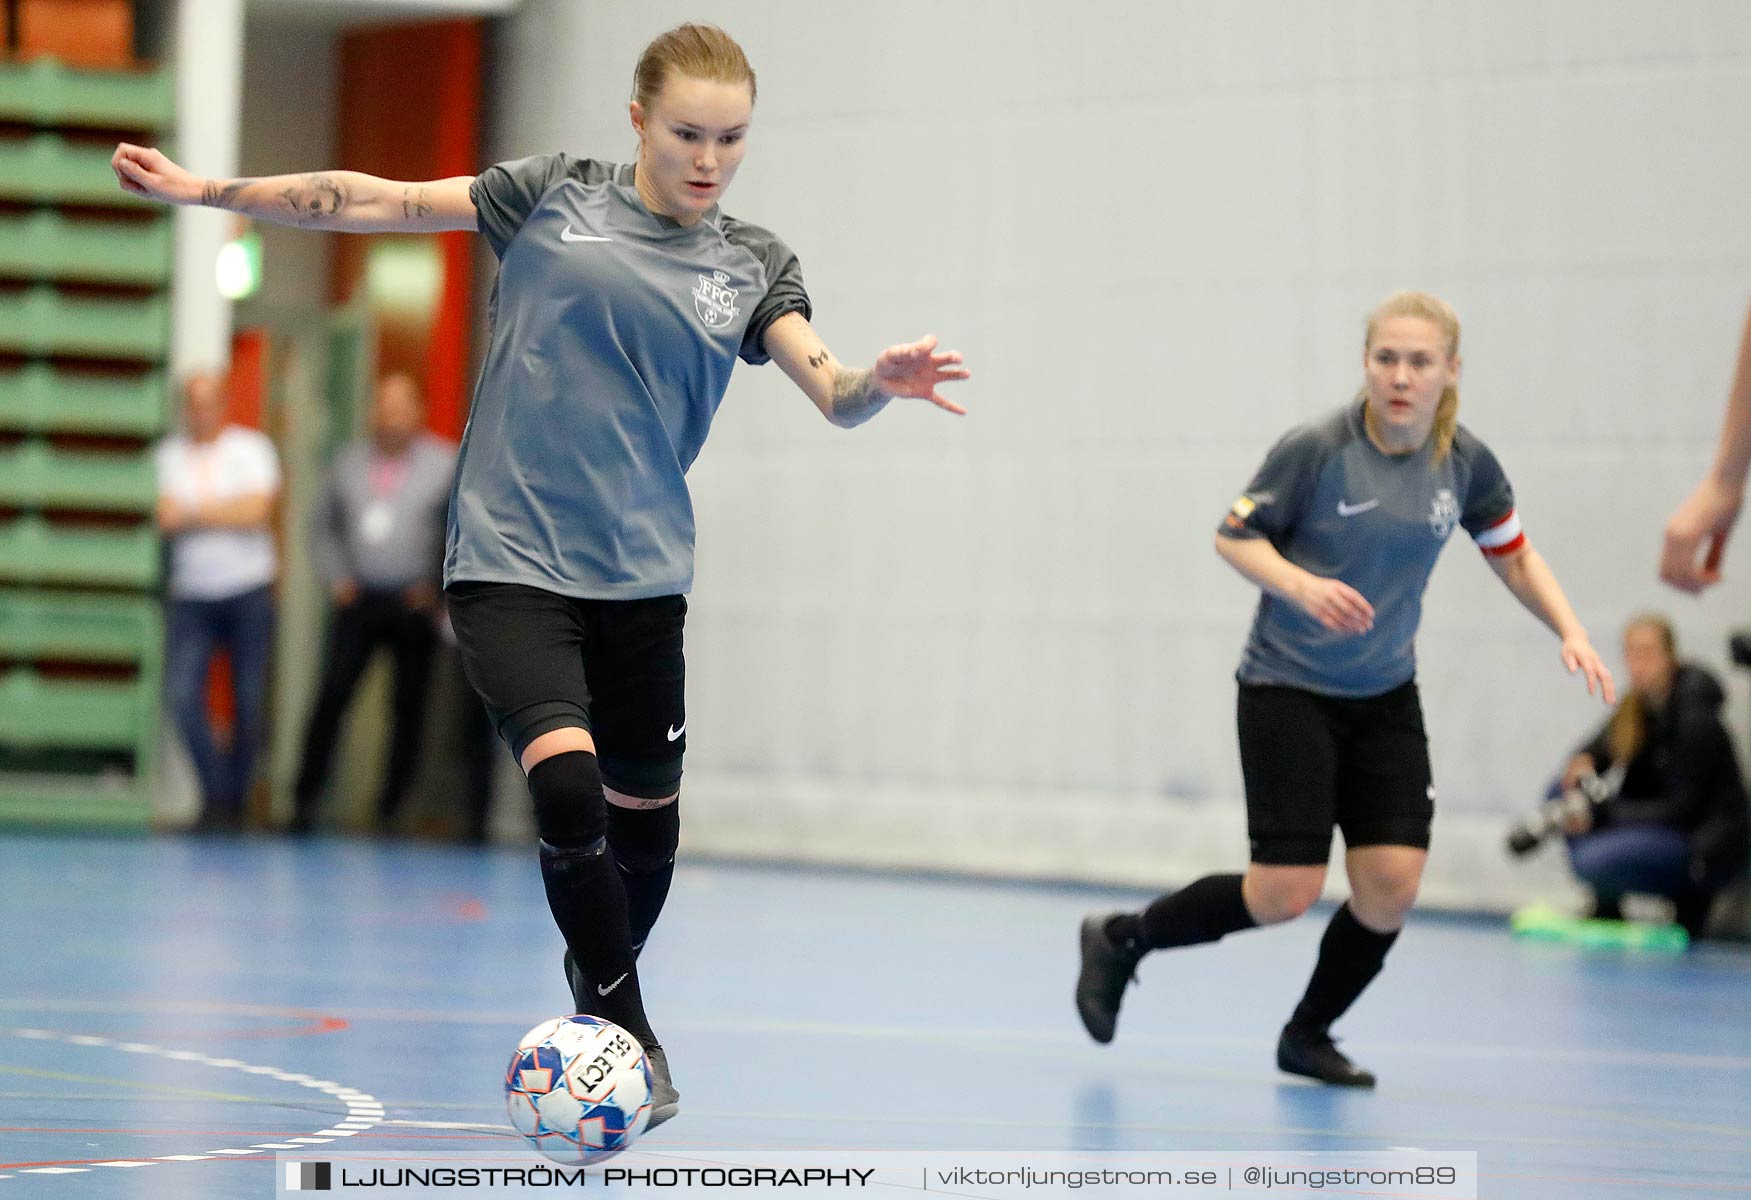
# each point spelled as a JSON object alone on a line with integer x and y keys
{"x": 1654, "y": 804}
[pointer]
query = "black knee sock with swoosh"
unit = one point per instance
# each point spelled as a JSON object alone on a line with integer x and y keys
{"x": 584, "y": 891}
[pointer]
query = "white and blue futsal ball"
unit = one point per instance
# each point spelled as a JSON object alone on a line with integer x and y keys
{"x": 579, "y": 1088}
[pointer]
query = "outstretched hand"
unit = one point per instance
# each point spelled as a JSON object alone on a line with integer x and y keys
{"x": 1579, "y": 655}
{"x": 1699, "y": 529}
{"x": 150, "y": 173}
{"x": 915, "y": 370}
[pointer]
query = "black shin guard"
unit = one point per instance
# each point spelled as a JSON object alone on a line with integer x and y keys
{"x": 1350, "y": 956}
{"x": 643, "y": 842}
{"x": 584, "y": 889}
{"x": 1205, "y": 911}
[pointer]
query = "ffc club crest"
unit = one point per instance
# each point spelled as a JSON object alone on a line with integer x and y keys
{"x": 713, "y": 301}
{"x": 1443, "y": 513}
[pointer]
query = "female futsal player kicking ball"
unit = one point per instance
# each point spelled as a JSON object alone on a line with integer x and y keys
{"x": 1340, "y": 530}
{"x": 624, "y": 297}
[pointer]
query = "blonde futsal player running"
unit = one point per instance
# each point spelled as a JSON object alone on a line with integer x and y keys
{"x": 1340, "y": 530}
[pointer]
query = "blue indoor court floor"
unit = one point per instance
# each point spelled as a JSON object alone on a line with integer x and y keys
{"x": 188, "y": 1005}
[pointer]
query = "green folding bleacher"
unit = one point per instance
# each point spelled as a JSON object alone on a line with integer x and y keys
{"x": 75, "y": 715}
{"x": 33, "y": 550}
{"x": 79, "y": 626}
{"x": 42, "y": 398}
{"x": 45, "y": 244}
{"x": 46, "y": 168}
{"x": 47, "y": 321}
{"x": 36, "y": 475}
{"x": 84, "y": 275}
{"x": 47, "y": 93}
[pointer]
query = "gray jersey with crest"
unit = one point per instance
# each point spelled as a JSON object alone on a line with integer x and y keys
{"x": 614, "y": 331}
{"x": 1334, "y": 504}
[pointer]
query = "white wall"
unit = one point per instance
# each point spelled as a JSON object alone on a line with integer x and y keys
{"x": 290, "y": 90}
{"x": 1003, "y": 643}
{"x": 208, "y": 80}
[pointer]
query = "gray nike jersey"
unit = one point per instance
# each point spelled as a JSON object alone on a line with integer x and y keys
{"x": 614, "y": 331}
{"x": 1332, "y": 503}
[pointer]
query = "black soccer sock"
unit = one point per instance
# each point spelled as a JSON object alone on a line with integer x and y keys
{"x": 1205, "y": 911}
{"x": 643, "y": 842}
{"x": 584, "y": 890}
{"x": 1350, "y": 956}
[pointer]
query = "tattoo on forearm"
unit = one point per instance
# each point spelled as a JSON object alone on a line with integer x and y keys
{"x": 310, "y": 201}
{"x": 414, "y": 202}
{"x": 856, "y": 398}
{"x": 222, "y": 195}
{"x": 816, "y": 360}
{"x": 314, "y": 199}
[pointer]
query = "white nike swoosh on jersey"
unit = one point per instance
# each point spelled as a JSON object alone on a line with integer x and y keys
{"x": 677, "y": 732}
{"x": 1350, "y": 510}
{"x": 566, "y": 235}
{"x": 603, "y": 991}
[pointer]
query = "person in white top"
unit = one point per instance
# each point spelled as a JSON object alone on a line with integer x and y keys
{"x": 217, "y": 484}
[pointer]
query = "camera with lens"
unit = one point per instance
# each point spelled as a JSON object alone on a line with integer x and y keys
{"x": 1590, "y": 791}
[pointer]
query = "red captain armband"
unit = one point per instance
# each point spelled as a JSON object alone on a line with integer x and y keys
{"x": 1504, "y": 537}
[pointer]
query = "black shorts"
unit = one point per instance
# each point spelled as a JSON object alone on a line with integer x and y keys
{"x": 1313, "y": 761}
{"x": 542, "y": 661}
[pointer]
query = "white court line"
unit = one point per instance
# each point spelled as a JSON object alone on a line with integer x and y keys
{"x": 364, "y": 1112}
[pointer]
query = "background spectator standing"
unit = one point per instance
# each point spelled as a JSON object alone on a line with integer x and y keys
{"x": 217, "y": 484}
{"x": 378, "y": 543}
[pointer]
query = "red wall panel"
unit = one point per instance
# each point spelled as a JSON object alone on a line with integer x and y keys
{"x": 410, "y": 109}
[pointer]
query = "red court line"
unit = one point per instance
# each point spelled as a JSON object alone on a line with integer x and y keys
{"x": 313, "y": 1024}
{"x": 316, "y": 1024}
{"x": 453, "y": 908}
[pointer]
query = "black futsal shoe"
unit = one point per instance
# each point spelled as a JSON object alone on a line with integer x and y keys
{"x": 1313, "y": 1054}
{"x": 665, "y": 1100}
{"x": 1107, "y": 966}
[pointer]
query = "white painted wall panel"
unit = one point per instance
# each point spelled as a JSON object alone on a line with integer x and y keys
{"x": 1003, "y": 644}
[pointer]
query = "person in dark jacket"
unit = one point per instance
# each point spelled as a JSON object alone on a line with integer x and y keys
{"x": 1677, "y": 826}
{"x": 378, "y": 542}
